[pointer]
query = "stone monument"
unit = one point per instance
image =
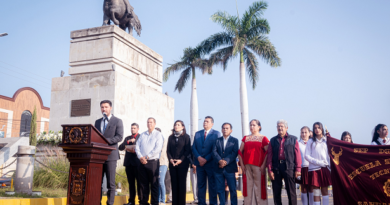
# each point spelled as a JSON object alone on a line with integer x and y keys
{"x": 106, "y": 63}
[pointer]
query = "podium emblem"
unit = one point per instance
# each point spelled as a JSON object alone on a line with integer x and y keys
{"x": 386, "y": 188}
{"x": 77, "y": 186}
{"x": 76, "y": 135}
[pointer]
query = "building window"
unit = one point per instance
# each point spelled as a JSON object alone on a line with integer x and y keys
{"x": 25, "y": 124}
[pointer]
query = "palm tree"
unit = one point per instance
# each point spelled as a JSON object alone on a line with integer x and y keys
{"x": 189, "y": 62}
{"x": 246, "y": 38}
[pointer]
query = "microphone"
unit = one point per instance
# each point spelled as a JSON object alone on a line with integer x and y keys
{"x": 105, "y": 116}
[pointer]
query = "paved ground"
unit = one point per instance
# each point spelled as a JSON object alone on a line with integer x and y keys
{"x": 284, "y": 198}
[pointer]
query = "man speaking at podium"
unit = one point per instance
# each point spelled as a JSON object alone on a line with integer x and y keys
{"x": 112, "y": 129}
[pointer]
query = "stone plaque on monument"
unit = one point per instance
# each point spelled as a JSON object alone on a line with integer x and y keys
{"x": 80, "y": 108}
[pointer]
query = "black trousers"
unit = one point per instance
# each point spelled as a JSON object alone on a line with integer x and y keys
{"x": 289, "y": 180}
{"x": 132, "y": 175}
{"x": 109, "y": 168}
{"x": 148, "y": 176}
{"x": 179, "y": 181}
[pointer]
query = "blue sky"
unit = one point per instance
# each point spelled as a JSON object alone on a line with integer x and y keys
{"x": 335, "y": 66}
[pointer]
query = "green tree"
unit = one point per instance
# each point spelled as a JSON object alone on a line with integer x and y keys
{"x": 190, "y": 61}
{"x": 33, "y": 128}
{"x": 244, "y": 37}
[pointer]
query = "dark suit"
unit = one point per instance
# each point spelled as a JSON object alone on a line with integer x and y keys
{"x": 229, "y": 154}
{"x": 205, "y": 173}
{"x": 131, "y": 163}
{"x": 179, "y": 148}
{"x": 113, "y": 134}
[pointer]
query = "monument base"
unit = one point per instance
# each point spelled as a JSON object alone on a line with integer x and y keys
{"x": 109, "y": 64}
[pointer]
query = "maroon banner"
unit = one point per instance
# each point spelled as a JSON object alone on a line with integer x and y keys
{"x": 360, "y": 173}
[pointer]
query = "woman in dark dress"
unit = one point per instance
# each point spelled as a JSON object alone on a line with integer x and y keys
{"x": 178, "y": 150}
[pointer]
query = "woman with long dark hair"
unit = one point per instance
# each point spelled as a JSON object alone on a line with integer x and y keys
{"x": 178, "y": 150}
{"x": 319, "y": 165}
{"x": 380, "y": 135}
{"x": 304, "y": 181}
{"x": 346, "y": 136}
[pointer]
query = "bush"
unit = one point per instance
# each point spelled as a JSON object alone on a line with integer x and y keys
{"x": 47, "y": 178}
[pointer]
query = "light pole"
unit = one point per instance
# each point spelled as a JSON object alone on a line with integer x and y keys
{"x": 3, "y": 34}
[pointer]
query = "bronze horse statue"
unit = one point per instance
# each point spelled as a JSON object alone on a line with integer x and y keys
{"x": 121, "y": 13}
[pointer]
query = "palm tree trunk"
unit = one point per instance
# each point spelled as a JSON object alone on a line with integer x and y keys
{"x": 194, "y": 108}
{"x": 243, "y": 98}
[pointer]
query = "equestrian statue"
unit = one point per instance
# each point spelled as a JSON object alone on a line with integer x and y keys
{"x": 121, "y": 13}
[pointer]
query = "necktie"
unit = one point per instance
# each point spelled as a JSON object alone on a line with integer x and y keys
{"x": 384, "y": 141}
{"x": 305, "y": 142}
{"x": 104, "y": 125}
{"x": 205, "y": 135}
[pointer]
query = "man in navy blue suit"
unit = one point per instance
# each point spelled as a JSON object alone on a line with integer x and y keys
{"x": 225, "y": 153}
{"x": 202, "y": 149}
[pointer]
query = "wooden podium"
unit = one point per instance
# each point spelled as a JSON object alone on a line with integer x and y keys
{"x": 86, "y": 150}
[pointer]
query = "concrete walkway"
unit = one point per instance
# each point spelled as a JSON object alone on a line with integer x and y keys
{"x": 119, "y": 200}
{"x": 271, "y": 199}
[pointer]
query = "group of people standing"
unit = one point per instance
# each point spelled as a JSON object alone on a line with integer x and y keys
{"x": 144, "y": 162}
{"x": 315, "y": 172}
{"x": 211, "y": 156}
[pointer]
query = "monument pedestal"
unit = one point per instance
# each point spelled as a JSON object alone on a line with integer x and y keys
{"x": 109, "y": 64}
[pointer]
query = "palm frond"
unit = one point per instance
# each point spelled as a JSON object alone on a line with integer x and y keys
{"x": 251, "y": 67}
{"x": 222, "y": 56}
{"x": 204, "y": 65}
{"x": 254, "y": 12}
{"x": 258, "y": 27}
{"x": 173, "y": 68}
{"x": 215, "y": 41}
{"x": 228, "y": 22}
{"x": 191, "y": 53}
{"x": 266, "y": 50}
{"x": 181, "y": 83}
{"x": 239, "y": 44}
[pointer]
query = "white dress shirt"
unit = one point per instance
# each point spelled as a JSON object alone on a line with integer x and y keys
{"x": 149, "y": 145}
{"x": 302, "y": 148}
{"x": 225, "y": 140}
{"x": 105, "y": 122}
{"x": 380, "y": 140}
{"x": 317, "y": 154}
